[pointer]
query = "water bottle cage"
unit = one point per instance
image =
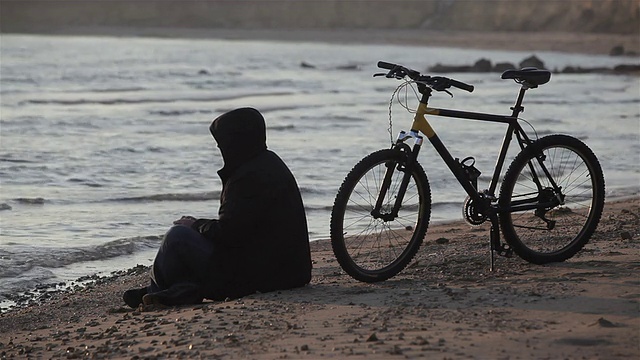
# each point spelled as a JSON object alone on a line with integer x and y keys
{"x": 470, "y": 171}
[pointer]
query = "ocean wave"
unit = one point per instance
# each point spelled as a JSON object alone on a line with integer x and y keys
{"x": 18, "y": 80}
{"x": 311, "y": 190}
{"x": 17, "y": 161}
{"x": 21, "y": 121}
{"x": 281, "y": 127}
{"x": 78, "y": 124}
{"x": 86, "y": 182}
{"x": 609, "y": 102}
{"x": 113, "y": 90}
{"x": 200, "y": 196}
{"x": 442, "y": 205}
{"x": 5, "y": 206}
{"x": 133, "y": 150}
{"x": 30, "y": 201}
{"x": 622, "y": 192}
{"x": 177, "y": 112}
{"x": 14, "y": 263}
{"x": 314, "y": 208}
{"x": 150, "y": 100}
{"x": 547, "y": 121}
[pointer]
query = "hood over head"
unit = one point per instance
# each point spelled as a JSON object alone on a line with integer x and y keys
{"x": 241, "y": 135}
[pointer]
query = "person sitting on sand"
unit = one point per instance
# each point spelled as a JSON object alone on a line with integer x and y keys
{"x": 260, "y": 241}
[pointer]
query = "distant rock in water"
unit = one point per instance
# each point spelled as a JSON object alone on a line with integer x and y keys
{"x": 306, "y": 65}
{"x": 348, "y": 67}
{"x": 627, "y": 68}
{"x": 484, "y": 65}
{"x": 581, "y": 70}
{"x": 439, "y": 68}
{"x": 618, "y": 69}
{"x": 30, "y": 201}
{"x": 503, "y": 66}
{"x": 619, "y": 50}
{"x": 532, "y": 61}
{"x": 5, "y": 206}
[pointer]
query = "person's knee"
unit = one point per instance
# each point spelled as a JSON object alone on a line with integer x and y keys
{"x": 177, "y": 236}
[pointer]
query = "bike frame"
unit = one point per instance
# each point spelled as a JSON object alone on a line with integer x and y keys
{"x": 484, "y": 201}
{"x": 422, "y": 125}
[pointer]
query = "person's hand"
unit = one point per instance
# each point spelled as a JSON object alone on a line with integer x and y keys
{"x": 185, "y": 220}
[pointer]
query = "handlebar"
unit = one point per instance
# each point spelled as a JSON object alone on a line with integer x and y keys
{"x": 438, "y": 83}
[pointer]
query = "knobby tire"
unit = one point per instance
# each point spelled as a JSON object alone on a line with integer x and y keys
{"x": 573, "y": 167}
{"x": 371, "y": 249}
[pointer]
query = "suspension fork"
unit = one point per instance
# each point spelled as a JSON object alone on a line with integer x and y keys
{"x": 406, "y": 158}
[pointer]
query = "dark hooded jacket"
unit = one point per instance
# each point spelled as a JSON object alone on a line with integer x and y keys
{"x": 261, "y": 242}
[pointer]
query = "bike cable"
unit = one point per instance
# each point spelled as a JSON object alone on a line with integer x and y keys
{"x": 531, "y": 126}
{"x": 405, "y": 105}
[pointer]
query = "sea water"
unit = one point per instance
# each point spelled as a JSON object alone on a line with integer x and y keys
{"x": 105, "y": 141}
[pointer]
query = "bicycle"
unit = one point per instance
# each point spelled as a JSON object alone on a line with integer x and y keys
{"x": 550, "y": 202}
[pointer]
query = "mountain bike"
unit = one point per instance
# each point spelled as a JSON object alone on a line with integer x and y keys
{"x": 550, "y": 201}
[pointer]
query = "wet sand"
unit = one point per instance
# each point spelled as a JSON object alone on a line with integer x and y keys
{"x": 446, "y": 304}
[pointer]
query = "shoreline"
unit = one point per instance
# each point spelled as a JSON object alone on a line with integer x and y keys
{"x": 567, "y": 42}
{"x": 41, "y": 292}
{"x": 445, "y": 303}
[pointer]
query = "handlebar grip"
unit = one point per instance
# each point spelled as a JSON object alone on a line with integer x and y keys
{"x": 386, "y": 65}
{"x": 461, "y": 85}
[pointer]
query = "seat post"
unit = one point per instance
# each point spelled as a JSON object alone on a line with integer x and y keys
{"x": 518, "y": 108}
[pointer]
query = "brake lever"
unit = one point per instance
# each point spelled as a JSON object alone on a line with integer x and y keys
{"x": 387, "y": 75}
{"x": 447, "y": 91}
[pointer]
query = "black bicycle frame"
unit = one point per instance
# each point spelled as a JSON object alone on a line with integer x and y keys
{"x": 421, "y": 125}
{"x": 484, "y": 202}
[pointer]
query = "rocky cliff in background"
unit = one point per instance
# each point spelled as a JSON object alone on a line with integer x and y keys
{"x": 595, "y": 16}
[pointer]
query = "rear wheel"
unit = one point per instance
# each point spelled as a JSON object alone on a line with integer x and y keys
{"x": 551, "y": 199}
{"x": 376, "y": 246}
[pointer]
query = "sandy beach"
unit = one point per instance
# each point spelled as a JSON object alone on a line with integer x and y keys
{"x": 445, "y": 305}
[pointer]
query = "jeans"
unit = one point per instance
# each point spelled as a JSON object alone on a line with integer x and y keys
{"x": 181, "y": 267}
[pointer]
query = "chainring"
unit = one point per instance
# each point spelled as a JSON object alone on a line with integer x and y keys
{"x": 471, "y": 214}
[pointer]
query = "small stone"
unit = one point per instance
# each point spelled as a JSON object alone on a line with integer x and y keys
{"x": 373, "y": 337}
{"x": 626, "y": 235}
{"x": 442, "y": 241}
{"x": 606, "y": 323}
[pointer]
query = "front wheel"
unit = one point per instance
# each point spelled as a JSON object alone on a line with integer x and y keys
{"x": 374, "y": 245}
{"x": 551, "y": 199}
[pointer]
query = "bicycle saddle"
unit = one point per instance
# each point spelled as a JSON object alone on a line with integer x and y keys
{"x": 530, "y": 76}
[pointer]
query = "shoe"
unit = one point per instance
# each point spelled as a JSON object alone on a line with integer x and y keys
{"x": 149, "y": 299}
{"x": 133, "y": 297}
